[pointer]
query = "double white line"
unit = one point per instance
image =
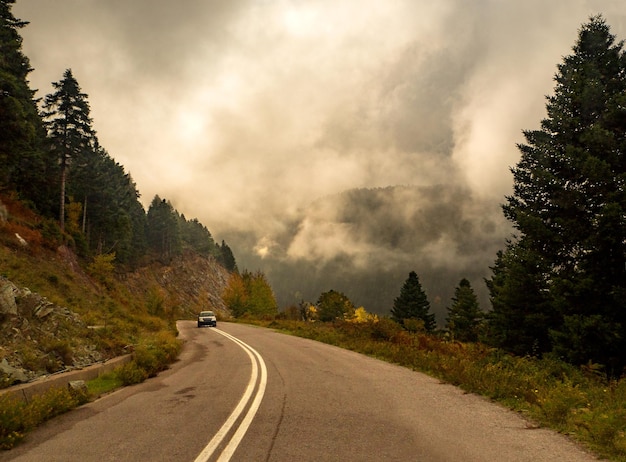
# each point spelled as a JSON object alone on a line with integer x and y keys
{"x": 257, "y": 362}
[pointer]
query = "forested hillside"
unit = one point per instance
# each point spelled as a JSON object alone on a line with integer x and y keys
{"x": 51, "y": 159}
{"x": 85, "y": 271}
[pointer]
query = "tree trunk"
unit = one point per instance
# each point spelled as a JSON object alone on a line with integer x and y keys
{"x": 62, "y": 203}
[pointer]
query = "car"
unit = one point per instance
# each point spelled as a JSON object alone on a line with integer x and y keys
{"x": 207, "y": 318}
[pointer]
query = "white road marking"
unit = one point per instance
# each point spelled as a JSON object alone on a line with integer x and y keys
{"x": 227, "y": 453}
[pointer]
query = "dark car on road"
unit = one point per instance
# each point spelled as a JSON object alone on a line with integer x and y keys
{"x": 207, "y": 318}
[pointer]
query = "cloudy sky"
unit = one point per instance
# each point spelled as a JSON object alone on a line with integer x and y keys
{"x": 243, "y": 113}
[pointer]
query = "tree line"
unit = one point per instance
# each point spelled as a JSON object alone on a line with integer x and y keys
{"x": 51, "y": 158}
{"x": 559, "y": 286}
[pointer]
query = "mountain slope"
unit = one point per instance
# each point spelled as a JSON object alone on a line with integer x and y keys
{"x": 55, "y": 315}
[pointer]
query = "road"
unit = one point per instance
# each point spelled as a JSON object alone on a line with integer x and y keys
{"x": 318, "y": 403}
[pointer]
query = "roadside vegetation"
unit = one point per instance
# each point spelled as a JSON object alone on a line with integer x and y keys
{"x": 580, "y": 402}
{"x": 18, "y": 417}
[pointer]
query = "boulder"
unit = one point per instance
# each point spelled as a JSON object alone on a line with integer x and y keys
{"x": 8, "y": 292}
{"x": 14, "y": 374}
{"x": 77, "y": 386}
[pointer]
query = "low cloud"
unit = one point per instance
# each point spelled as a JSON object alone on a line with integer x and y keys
{"x": 255, "y": 117}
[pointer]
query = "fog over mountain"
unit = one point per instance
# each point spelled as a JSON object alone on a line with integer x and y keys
{"x": 331, "y": 144}
{"x": 364, "y": 242}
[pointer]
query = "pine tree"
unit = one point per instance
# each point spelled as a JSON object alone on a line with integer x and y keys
{"x": 569, "y": 207}
{"x": 110, "y": 206}
{"x": 522, "y": 314}
{"x": 66, "y": 114}
{"x": 163, "y": 230}
{"x": 22, "y": 162}
{"x": 413, "y": 304}
{"x": 227, "y": 259}
{"x": 197, "y": 237}
{"x": 464, "y": 315}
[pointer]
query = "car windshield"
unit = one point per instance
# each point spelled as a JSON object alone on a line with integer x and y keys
{"x": 206, "y": 313}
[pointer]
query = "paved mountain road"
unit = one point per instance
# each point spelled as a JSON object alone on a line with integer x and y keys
{"x": 321, "y": 403}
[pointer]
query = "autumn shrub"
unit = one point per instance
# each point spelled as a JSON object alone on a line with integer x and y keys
{"x": 18, "y": 417}
{"x": 384, "y": 329}
{"x": 102, "y": 267}
{"x": 12, "y": 428}
{"x": 59, "y": 349}
{"x": 51, "y": 233}
{"x": 131, "y": 374}
{"x": 150, "y": 356}
{"x": 32, "y": 237}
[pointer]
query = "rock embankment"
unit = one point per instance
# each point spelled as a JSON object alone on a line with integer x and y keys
{"x": 191, "y": 282}
{"x": 39, "y": 337}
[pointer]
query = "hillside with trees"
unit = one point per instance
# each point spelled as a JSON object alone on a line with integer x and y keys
{"x": 51, "y": 159}
{"x": 85, "y": 271}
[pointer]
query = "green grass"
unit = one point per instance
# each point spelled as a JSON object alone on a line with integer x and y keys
{"x": 104, "y": 384}
{"x": 577, "y": 402}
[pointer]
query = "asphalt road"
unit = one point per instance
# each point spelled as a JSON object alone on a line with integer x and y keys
{"x": 264, "y": 396}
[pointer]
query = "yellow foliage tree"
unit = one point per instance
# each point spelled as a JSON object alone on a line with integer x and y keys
{"x": 361, "y": 315}
{"x": 102, "y": 267}
{"x": 250, "y": 294}
{"x": 234, "y": 295}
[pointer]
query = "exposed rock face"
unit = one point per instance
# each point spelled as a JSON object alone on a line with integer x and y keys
{"x": 38, "y": 337}
{"x": 192, "y": 282}
{"x": 8, "y": 291}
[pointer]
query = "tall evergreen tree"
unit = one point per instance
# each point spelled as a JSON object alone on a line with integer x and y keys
{"x": 197, "y": 237}
{"x": 413, "y": 304}
{"x": 522, "y": 314}
{"x": 163, "y": 230}
{"x": 110, "y": 204}
{"x": 66, "y": 114}
{"x": 227, "y": 259}
{"x": 569, "y": 206}
{"x": 464, "y": 315}
{"x": 22, "y": 162}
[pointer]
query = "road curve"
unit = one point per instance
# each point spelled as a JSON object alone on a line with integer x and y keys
{"x": 327, "y": 404}
{"x": 321, "y": 403}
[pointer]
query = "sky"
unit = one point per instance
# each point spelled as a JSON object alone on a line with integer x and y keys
{"x": 254, "y": 116}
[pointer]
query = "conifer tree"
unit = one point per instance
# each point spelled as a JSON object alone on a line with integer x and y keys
{"x": 227, "y": 259}
{"x": 569, "y": 208}
{"x": 413, "y": 304}
{"x": 163, "y": 230}
{"x": 22, "y": 162}
{"x": 464, "y": 315}
{"x": 69, "y": 125}
{"x": 196, "y": 236}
